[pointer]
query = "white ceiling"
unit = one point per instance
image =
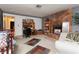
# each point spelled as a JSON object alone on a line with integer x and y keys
{"x": 30, "y": 9}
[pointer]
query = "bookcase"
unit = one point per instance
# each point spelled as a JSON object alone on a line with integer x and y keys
{"x": 47, "y": 26}
{"x": 29, "y": 23}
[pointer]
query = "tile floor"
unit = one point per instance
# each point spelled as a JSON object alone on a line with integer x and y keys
{"x": 45, "y": 41}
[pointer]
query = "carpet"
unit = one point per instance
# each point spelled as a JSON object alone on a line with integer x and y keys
{"x": 33, "y": 42}
{"x": 39, "y": 50}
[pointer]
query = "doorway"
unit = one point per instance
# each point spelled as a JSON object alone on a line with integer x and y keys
{"x": 12, "y": 25}
{"x": 8, "y": 23}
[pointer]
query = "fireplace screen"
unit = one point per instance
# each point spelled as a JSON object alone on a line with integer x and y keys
{"x": 57, "y": 31}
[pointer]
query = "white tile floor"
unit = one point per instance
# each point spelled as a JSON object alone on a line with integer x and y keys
{"x": 44, "y": 42}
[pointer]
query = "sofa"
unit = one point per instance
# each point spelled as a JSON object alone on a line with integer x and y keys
{"x": 68, "y": 43}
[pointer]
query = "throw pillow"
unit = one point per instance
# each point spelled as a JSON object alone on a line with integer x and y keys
{"x": 76, "y": 37}
{"x": 70, "y": 36}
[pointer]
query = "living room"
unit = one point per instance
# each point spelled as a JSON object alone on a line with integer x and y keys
{"x": 47, "y": 24}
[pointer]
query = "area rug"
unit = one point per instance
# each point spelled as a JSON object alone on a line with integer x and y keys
{"x": 39, "y": 50}
{"x": 33, "y": 42}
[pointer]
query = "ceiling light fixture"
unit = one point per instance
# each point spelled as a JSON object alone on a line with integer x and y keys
{"x": 38, "y": 6}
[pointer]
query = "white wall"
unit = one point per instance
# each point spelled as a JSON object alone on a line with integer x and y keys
{"x": 18, "y": 23}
